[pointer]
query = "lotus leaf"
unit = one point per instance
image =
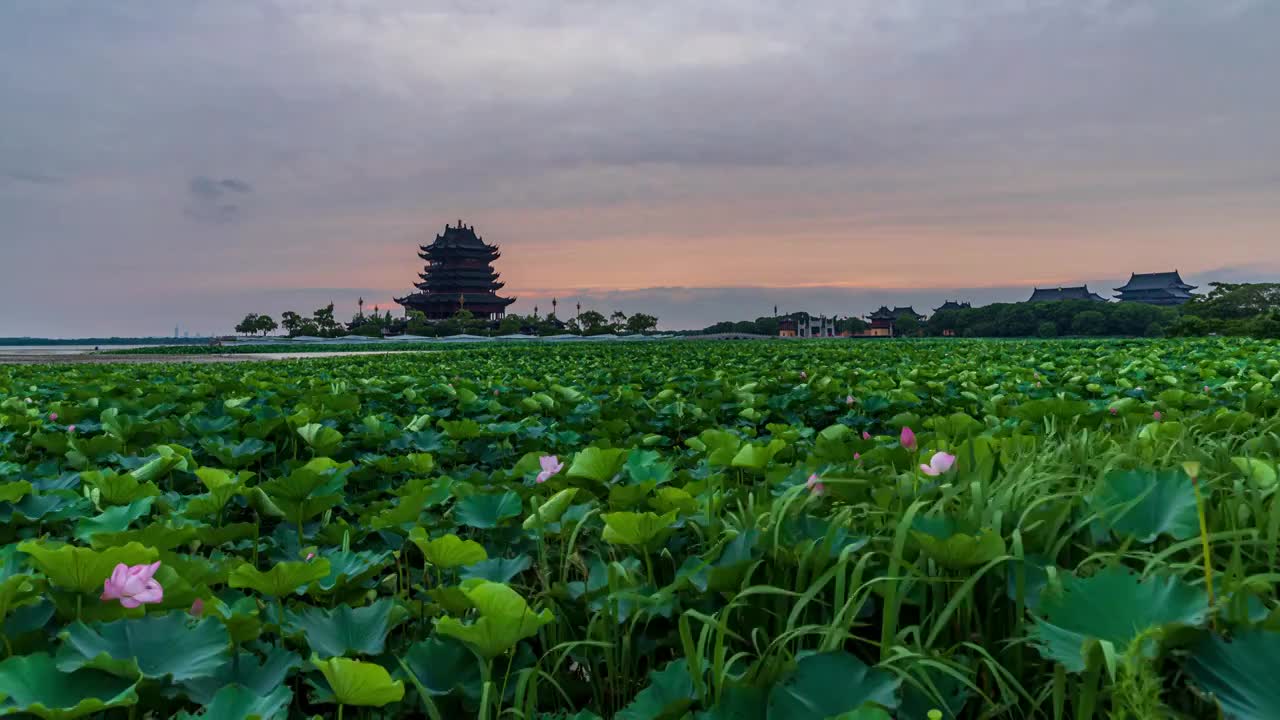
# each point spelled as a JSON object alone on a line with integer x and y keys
{"x": 505, "y": 619}
{"x": 359, "y": 683}
{"x": 33, "y": 684}
{"x": 448, "y": 551}
{"x": 154, "y": 646}
{"x": 1112, "y": 606}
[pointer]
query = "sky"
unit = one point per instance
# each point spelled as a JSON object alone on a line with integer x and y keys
{"x": 184, "y": 162}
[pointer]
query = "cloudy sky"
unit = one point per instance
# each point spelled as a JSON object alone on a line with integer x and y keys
{"x": 183, "y": 162}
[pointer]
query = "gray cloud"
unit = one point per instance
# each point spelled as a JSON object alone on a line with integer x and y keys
{"x": 215, "y": 201}
{"x": 1139, "y": 128}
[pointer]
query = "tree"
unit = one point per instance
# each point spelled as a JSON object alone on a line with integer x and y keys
{"x": 641, "y": 323}
{"x": 1047, "y": 329}
{"x": 593, "y": 323}
{"x": 852, "y": 325}
{"x": 510, "y": 325}
{"x": 291, "y": 322}
{"x": 265, "y": 324}
{"x": 618, "y": 320}
{"x": 1089, "y": 322}
{"x": 249, "y": 325}
{"x": 907, "y": 325}
{"x": 325, "y": 323}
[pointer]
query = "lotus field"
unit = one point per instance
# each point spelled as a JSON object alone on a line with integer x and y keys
{"x": 714, "y": 531}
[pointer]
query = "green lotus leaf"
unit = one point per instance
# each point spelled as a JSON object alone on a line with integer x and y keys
{"x": 234, "y": 702}
{"x": 347, "y": 566}
{"x": 344, "y": 630}
{"x": 1238, "y": 673}
{"x": 829, "y": 684}
{"x": 505, "y": 619}
{"x": 211, "y": 503}
{"x": 1260, "y": 472}
{"x": 308, "y": 490}
{"x": 213, "y": 478}
{"x": 676, "y": 499}
{"x": 597, "y": 464}
{"x": 240, "y": 618}
{"x": 153, "y": 646}
{"x": 282, "y": 579}
{"x": 465, "y": 429}
{"x": 448, "y": 551}
{"x": 156, "y": 535}
{"x": 237, "y": 455}
{"x": 169, "y": 457}
{"x": 259, "y": 676}
{"x": 82, "y": 569}
{"x": 499, "y": 570}
{"x": 33, "y": 684}
{"x": 551, "y": 510}
{"x": 629, "y": 528}
{"x": 944, "y": 544}
{"x": 738, "y": 703}
{"x": 116, "y": 489}
{"x": 487, "y": 511}
{"x": 362, "y": 684}
{"x": 14, "y": 491}
{"x": 720, "y": 446}
{"x": 645, "y": 466}
{"x": 113, "y": 519}
{"x": 442, "y": 665}
{"x": 322, "y": 439}
{"x": 668, "y": 695}
{"x": 1147, "y": 504}
{"x": 757, "y": 457}
{"x": 1112, "y": 606}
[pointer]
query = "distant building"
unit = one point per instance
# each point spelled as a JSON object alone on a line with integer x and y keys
{"x": 1163, "y": 288}
{"x": 953, "y": 305}
{"x": 802, "y": 324}
{"x": 459, "y": 275}
{"x": 1064, "y": 293}
{"x": 883, "y": 321}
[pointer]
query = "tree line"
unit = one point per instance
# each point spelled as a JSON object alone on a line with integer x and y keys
{"x": 1245, "y": 309}
{"x": 322, "y": 323}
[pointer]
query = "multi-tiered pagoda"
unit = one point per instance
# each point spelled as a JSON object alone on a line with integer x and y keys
{"x": 459, "y": 275}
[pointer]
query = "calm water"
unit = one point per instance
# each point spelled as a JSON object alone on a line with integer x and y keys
{"x": 57, "y": 349}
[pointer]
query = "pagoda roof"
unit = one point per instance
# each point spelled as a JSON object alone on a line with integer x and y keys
{"x": 884, "y": 313}
{"x": 953, "y": 305}
{"x": 1156, "y": 281}
{"x": 1079, "y": 292}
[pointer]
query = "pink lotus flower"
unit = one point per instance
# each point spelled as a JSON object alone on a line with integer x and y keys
{"x": 938, "y": 464}
{"x": 1156, "y": 415}
{"x": 815, "y": 485}
{"x": 804, "y": 375}
{"x": 71, "y": 428}
{"x": 1206, "y": 388}
{"x": 848, "y": 400}
{"x": 197, "y": 608}
{"x": 310, "y": 556}
{"x": 857, "y": 456}
{"x": 866, "y": 435}
{"x": 133, "y": 585}
{"x": 1113, "y": 411}
{"x": 550, "y": 466}
{"x": 907, "y": 438}
{"x": 53, "y": 416}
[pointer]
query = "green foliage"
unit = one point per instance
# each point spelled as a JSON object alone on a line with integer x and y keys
{"x": 379, "y": 515}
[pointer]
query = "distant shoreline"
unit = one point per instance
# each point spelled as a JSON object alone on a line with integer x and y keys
{"x": 111, "y": 341}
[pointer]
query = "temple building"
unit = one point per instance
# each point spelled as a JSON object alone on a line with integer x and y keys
{"x": 802, "y": 324}
{"x": 1064, "y": 293}
{"x": 1163, "y": 288}
{"x": 883, "y": 320}
{"x": 951, "y": 305}
{"x": 459, "y": 275}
